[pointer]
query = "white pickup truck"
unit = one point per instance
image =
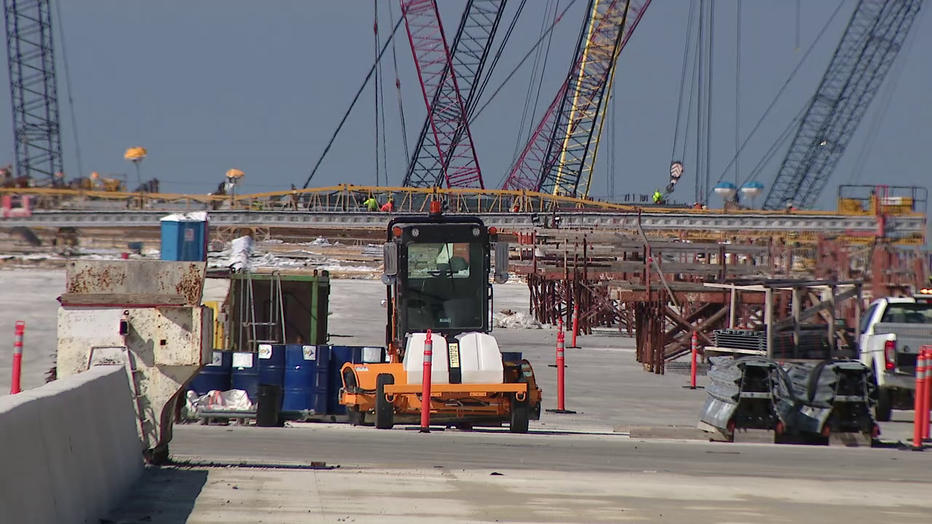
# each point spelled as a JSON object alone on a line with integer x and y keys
{"x": 892, "y": 331}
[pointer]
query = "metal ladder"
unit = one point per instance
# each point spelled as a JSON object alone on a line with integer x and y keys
{"x": 273, "y": 328}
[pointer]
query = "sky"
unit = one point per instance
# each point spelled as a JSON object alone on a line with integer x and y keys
{"x": 210, "y": 85}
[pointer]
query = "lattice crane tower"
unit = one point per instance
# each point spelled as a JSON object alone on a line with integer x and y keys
{"x": 865, "y": 54}
{"x": 33, "y": 88}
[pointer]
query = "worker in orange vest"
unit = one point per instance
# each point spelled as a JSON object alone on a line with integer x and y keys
{"x": 389, "y": 206}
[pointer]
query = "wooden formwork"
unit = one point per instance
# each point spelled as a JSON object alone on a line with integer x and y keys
{"x": 656, "y": 290}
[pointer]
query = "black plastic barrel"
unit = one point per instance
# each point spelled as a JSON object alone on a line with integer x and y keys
{"x": 268, "y": 408}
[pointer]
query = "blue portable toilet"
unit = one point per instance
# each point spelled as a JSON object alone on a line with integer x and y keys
{"x": 184, "y": 237}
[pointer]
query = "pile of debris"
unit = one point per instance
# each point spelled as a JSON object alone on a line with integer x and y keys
{"x": 508, "y": 319}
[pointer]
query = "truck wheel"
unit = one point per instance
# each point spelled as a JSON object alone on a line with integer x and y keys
{"x": 884, "y": 408}
{"x": 384, "y": 410}
{"x": 520, "y": 416}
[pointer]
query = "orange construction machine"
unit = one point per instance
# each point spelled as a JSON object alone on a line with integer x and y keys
{"x": 437, "y": 271}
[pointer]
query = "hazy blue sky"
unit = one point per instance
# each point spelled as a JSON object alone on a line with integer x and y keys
{"x": 208, "y": 85}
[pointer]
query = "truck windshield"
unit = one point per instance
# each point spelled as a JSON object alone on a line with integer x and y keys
{"x": 907, "y": 313}
{"x": 445, "y": 286}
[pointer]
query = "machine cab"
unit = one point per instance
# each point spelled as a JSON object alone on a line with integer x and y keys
{"x": 437, "y": 272}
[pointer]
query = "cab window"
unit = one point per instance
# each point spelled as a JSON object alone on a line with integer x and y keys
{"x": 439, "y": 260}
{"x": 866, "y": 318}
{"x": 908, "y": 313}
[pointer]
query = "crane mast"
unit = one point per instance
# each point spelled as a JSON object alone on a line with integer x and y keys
{"x": 446, "y": 110}
{"x": 561, "y": 152}
{"x": 471, "y": 47}
{"x": 33, "y": 88}
{"x": 869, "y": 46}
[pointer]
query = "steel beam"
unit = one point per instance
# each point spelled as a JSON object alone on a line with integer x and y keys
{"x": 901, "y": 226}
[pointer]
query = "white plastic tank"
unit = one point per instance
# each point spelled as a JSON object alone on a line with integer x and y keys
{"x": 414, "y": 359}
{"x": 480, "y": 359}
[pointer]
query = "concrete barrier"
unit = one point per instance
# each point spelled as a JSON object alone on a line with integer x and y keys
{"x": 69, "y": 450}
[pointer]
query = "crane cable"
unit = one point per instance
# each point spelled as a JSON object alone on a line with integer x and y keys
{"x": 543, "y": 72}
{"x": 773, "y": 102}
{"x": 886, "y": 97}
{"x": 350, "y": 109}
{"x": 520, "y": 63}
{"x": 498, "y": 54}
{"x": 776, "y": 146}
{"x": 533, "y": 76}
{"x": 708, "y": 102}
{"x": 380, "y": 88}
{"x": 738, "y": 86}
{"x": 74, "y": 119}
{"x": 378, "y": 73}
{"x": 401, "y": 106}
{"x": 613, "y": 137}
{"x": 679, "y": 104}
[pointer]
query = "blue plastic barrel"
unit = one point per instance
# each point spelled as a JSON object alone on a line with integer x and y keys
{"x": 340, "y": 355}
{"x": 271, "y": 359}
{"x": 215, "y": 375}
{"x": 306, "y": 384}
{"x": 512, "y": 356}
{"x": 245, "y": 374}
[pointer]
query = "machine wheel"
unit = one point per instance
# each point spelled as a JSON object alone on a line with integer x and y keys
{"x": 384, "y": 410}
{"x": 883, "y": 411}
{"x": 520, "y": 416}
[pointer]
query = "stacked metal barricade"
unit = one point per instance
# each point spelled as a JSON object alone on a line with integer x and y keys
{"x": 794, "y": 400}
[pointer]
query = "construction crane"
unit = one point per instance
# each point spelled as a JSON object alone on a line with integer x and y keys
{"x": 471, "y": 47}
{"x": 868, "y": 48}
{"x": 560, "y": 154}
{"x": 33, "y": 89}
{"x": 446, "y": 108}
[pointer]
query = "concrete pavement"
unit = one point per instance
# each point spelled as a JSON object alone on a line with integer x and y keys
{"x": 436, "y": 495}
{"x": 555, "y": 474}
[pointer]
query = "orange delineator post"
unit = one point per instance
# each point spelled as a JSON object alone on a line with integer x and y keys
{"x": 920, "y": 406}
{"x": 15, "y": 386}
{"x": 425, "y": 383}
{"x": 695, "y": 352}
{"x": 575, "y": 325}
{"x": 927, "y": 395}
{"x": 561, "y": 370}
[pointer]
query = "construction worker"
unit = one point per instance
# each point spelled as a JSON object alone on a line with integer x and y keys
{"x": 371, "y": 203}
{"x": 658, "y": 197}
{"x": 389, "y": 206}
